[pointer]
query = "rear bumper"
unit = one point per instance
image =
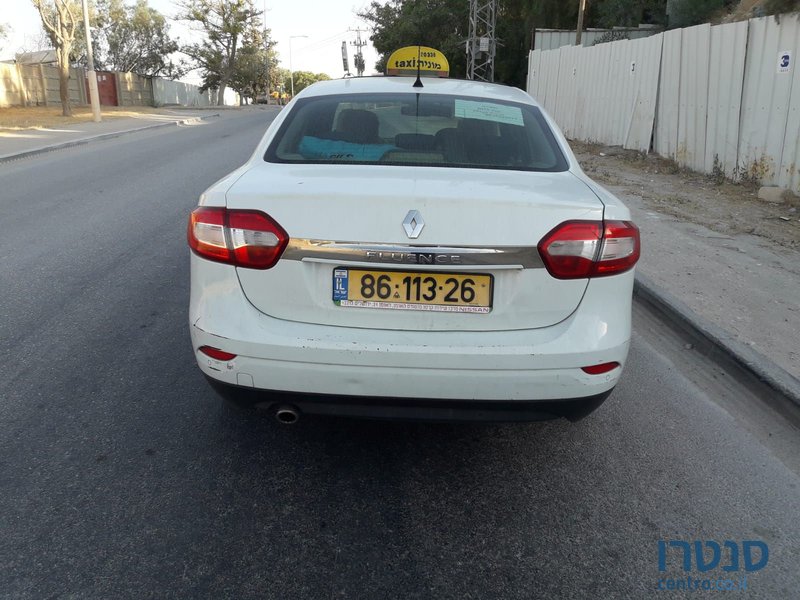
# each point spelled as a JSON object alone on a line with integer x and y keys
{"x": 416, "y": 409}
{"x": 494, "y": 375}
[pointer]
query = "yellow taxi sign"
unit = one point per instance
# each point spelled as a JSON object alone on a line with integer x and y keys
{"x": 418, "y": 59}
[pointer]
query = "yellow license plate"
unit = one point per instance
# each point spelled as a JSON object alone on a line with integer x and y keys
{"x": 409, "y": 290}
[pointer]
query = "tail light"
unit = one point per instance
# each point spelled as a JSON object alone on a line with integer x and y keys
{"x": 581, "y": 249}
{"x": 244, "y": 238}
{"x": 600, "y": 369}
{"x": 216, "y": 353}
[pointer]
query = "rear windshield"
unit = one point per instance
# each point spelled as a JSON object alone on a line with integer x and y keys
{"x": 417, "y": 129}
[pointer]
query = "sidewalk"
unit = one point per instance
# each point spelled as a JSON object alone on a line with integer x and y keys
{"x": 731, "y": 258}
{"x": 17, "y": 143}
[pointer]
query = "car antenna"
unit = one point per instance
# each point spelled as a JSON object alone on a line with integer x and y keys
{"x": 418, "y": 82}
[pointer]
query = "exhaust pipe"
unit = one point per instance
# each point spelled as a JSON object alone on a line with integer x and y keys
{"x": 288, "y": 415}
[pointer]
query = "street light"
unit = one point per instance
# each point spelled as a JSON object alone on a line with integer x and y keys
{"x": 291, "y": 72}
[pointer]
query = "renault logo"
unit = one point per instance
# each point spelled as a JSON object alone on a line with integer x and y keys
{"x": 413, "y": 224}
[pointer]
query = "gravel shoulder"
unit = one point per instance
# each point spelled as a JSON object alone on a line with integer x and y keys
{"x": 732, "y": 258}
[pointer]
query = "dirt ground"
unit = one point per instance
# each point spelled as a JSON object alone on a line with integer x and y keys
{"x": 722, "y": 206}
{"x": 37, "y": 117}
{"x": 730, "y": 257}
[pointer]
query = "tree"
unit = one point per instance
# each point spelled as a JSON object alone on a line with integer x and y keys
{"x": 223, "y": 22}
{"x": 279, "y": 81}
{"x": 3, "y": 32}
{"x": 441, "y": 24}
{"x": 302, "y": 79}
{"x": 60, "y": 20}
{"x": 444, "y": 24}
{"x": 256, "y": 64}
{"x": 685, "y": 13}
{"x": 135, "y": 38}
{"x": 628, "y": 13}
{"x": 775, "y": 7}
{"x": 36, "y": 43}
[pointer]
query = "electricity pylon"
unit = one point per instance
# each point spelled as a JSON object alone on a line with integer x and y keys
{"x": 482, "y": 43}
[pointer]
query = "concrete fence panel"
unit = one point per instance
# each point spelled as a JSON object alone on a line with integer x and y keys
{"x": 11, "y": 88}
{"x": 49, "y": 75}
{"x": 134, "y": 90}
{"x": 38, "y": 85}
{"x": 33, "y": 83}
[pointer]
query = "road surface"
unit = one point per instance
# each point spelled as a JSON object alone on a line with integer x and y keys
{"x": 123, "y": 476}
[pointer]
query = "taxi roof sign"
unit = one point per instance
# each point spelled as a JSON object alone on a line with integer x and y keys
{"x": 418, "y": 60}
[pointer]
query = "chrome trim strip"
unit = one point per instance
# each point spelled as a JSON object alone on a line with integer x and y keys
{"x": 521, "y": 257}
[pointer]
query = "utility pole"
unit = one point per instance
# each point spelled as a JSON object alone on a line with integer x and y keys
{"x": 581, "y": 10}
{"x": 94, "y": 96}
{"x": 482, "y": 43}
{"x": 358, "y": 57}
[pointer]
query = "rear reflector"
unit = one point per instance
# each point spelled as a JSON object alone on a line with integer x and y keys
{"x": 244, "y": 238}
{"x": 216, "y": 353}
{"x": 581, "y": 249}
{"x": 600, "y": 369}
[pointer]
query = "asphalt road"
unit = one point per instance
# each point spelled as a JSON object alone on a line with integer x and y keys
{"x": 123, "y": 476}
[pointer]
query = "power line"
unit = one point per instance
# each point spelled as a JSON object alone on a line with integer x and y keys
{"x": 335, "y": 38}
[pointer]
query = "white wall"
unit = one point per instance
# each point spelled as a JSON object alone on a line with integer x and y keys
{"x": 186, "y": 94}
{"x": 176, "y": 92}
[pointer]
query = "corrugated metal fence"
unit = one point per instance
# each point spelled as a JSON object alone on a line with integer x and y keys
{"x": 723, "y": 98}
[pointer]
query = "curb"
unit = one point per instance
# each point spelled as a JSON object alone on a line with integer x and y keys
{"x": 103, "y": 136}
{"x": 760, "y": 374}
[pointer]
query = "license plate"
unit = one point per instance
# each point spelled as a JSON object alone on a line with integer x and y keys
{"x": 409, "y": 290}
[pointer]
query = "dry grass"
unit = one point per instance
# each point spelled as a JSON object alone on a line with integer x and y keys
{"x": 38, "y": 117}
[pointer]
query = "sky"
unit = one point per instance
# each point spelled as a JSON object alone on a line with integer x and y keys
{"x": 327, "y": 23}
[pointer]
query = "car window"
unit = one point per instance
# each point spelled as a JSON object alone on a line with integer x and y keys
{"x": 417, "y": 129}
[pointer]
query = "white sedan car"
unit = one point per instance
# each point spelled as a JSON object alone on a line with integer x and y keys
{"x": 398, "y": 251}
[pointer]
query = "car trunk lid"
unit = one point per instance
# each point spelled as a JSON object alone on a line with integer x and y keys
{"x": 479, "y": 224}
